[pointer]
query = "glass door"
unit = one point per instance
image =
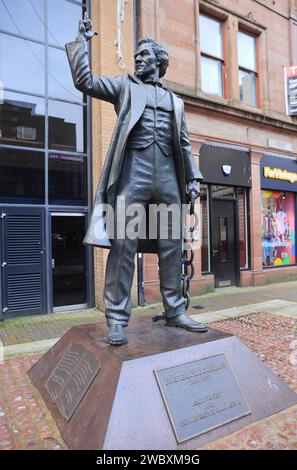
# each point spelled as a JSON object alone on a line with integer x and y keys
{"x": 68, "y": 261}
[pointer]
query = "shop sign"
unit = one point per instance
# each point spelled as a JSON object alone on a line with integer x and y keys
{"x": 279, "y": 174}
{"x": 291, "y": 90}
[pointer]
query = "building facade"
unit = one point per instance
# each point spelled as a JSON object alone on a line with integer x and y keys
{"x": 227, "y": 61}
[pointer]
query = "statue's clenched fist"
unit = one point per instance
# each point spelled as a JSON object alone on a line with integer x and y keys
{"x": 85, "y": 29}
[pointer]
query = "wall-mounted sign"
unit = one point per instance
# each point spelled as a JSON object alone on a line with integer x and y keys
{"x": 291, "y": 90}
{"x": 278, "y": 173}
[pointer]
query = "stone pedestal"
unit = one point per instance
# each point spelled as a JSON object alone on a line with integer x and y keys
{"x": 105, "y": 397}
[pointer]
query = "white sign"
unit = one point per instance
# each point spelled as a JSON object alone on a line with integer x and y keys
{"x": 280, "y": 144}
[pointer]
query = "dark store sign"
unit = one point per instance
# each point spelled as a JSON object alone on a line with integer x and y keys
{"x": 278, "y": 173}
{"x": 71, "y": 379}
{"x": 201, "y": 395}
{"x": 291, "y": 90}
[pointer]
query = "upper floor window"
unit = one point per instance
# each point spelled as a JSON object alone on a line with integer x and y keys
{"x": 247, "y": 68}
{"x": 212, "y": 57}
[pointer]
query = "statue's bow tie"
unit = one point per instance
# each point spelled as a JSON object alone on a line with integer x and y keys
{"x": 154, "y": 82}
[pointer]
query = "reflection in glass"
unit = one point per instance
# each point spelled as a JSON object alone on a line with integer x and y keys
{"x": 211, "y": 76}
{"x": 247, "y": 87}
{"x": 23, "y": 17}
{"x": 223, "y": 224}
{"x": 68, "y": 260}
{"x": 63, "y": 31}
{"x": 67, "y": 179}
{"x": 246, "y": 51}
{"x": 223, "y": 191}
{"x": 204, "y": 228}
{"x": 22, "y": 64}
{"x": 22, "y": 120}
{"x": 60, "y": 80}
{"x": 21, "y": 176}
{"x": 66, "y": 126}
{"x": 210, "y": 36}
{"x": 242, "y": 225}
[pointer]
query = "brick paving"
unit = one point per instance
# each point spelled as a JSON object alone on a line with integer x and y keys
{"x": 25, "y": 422}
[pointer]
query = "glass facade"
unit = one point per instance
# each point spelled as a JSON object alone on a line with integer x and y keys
{"x": 43, "y": 118}
{"x": 278, "y": 228}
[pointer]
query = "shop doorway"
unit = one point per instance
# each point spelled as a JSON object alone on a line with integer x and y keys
{"x": 223, "y": 243}
{"x": 68, "y": 261}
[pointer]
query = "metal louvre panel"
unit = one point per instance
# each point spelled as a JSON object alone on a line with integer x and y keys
{"x": 23, "y": 239}
{"x": 24, "y": 290}
{"x": 23, "y": 261}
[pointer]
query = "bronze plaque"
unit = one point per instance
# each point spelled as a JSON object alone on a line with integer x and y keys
{"x": 201, "y": 395}
{"x": 70, "y": 380}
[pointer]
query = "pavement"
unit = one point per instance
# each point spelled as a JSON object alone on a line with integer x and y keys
{"x": 264, "y": 318}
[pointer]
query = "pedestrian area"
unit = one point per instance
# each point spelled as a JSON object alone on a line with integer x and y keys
{"x": 264, "y": 318}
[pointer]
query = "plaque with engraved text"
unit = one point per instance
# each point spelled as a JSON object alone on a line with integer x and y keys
{"x": 201, "y": 395}
{"x": 70, "y": 380}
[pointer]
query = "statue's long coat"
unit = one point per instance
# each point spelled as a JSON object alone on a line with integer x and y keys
{"x": 129, "y": 100}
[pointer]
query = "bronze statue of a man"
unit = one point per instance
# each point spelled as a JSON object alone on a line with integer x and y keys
{"x": 149, "y": 161}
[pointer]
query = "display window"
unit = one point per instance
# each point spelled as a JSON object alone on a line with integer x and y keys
{"x": 278, "y": 228}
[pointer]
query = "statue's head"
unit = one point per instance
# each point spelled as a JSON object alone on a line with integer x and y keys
{"x": 150, "y": 57}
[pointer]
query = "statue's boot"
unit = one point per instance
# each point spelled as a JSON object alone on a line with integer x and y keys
{"x": 184, "y": 321}
{"x": 116, "y": 335}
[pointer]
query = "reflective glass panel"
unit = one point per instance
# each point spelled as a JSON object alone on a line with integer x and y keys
{"x": 246, "y": 51}
{"x": 22, "y": 65}
{"x": 60, "y": 80}
{"x": 22, "y": 120}
{"x": 68, "y": 260}
{"x": 21, "y": 176}
{"x": 24, "y": 17}
{"x": 67, "y": 180}
{"x": 223, "y": 239}
{"x": 242, "y": 225}
{"x": 223, "y": 191}
{"x": 211, "y": 76}
{"x": 66, "y": 126}
{"x": 62, "y": 31}
{"x": 278, "y": 228}
{"x": 247, "y": 87}
{"x": 210, "y": 36}
{"x": 204, "y": 228}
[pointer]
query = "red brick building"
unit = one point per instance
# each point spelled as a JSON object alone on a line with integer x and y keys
{"x": 227, "y": 61}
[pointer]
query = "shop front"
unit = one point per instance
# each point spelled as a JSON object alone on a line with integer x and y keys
{"x": 225, "y": 213}
{"x": 278, "y": 211}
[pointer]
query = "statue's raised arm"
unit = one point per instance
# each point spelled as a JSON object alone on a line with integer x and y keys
{"x": 104, "y": 88}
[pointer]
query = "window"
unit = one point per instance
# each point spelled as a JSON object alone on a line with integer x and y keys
{"x": 41, "y": 109}
{"x": 21, "y": 176}
{"x": 243, "y": 229}
{"x": 67, "y": 179}
{"x": 278, "y": 228}
{"x": 247, "y": 68}
{"x": 205, "y": 261}
{"x": 212, "y": 62}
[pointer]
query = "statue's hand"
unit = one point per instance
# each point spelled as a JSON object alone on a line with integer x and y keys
{"x": 193, "y": 190}
{"x": 85, "y": 29}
